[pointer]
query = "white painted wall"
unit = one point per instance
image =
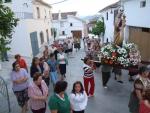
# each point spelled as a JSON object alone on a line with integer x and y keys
{"x": 39, "y": 25}
{"x": 77, "y": 25}
{"x": 20, "y": 43}
{"x": 136, "y": 16}
{"x": 109, "y": 24}
{"x": 59, "y": 28}
{"x": 22, "y": 6}
{"x": 44, "y": 11}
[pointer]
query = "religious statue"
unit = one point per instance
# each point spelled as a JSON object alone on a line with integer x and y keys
{"x": 120, "y": 21}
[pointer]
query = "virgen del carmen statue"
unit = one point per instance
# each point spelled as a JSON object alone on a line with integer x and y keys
{"x": 123, "y": 55}
{"x": 119, "y": 26}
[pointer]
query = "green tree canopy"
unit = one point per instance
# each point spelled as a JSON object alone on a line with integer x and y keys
{"x": 7, "y": 24}
{"x": 99, "y": 28}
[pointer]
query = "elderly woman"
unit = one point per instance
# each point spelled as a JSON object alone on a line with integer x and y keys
{"x": 19, "y": 77}
{"x": 140, "y": 85}
{"x": 38, "y": 93}
{"x": 59, "y": 102}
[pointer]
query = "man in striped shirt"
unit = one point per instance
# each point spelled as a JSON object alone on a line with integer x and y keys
{"x": 88, "y": 77}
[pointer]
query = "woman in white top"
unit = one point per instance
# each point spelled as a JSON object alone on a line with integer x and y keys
{"x": 62, "y": 60}
{"x": 78, "y": 98}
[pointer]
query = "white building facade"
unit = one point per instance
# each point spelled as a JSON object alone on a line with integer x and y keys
{"x": 136, "y": 14}
{"x": 137, "y": 28}
{"x": 138, "y": 25}
{"x": 109, "y": 13}
{"x": 34, "y": 27}
{"x": 68, "y": 25}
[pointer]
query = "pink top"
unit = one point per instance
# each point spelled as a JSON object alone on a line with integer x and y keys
{"x": 34, "y": 90}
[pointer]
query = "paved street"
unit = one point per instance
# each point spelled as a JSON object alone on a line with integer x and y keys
{"x": 112, "y": 100}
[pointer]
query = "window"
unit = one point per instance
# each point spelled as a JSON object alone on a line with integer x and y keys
{"x": 38, "y": 12}
{"x": 42, "y": 37}
{"x": 71, "y": 24}
{"x": 47, "y": 35}
{"x": 6, "y": 1}
{"x": 63, "y": 32}
{"x": 145, "y": 30}
{"x": 143, "y": 4}
{"x": 107, "y": 16}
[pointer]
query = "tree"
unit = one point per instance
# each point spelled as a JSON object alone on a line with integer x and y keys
{"x": 99, "y": 28}
{"x": 7, "y": 24}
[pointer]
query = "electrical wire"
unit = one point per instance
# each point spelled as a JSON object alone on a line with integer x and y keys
{"x": 59, "y": 2}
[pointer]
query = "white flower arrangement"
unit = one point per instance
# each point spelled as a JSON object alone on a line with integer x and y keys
{"x": 127, "y": 55}
{"x": 122, "y": 51}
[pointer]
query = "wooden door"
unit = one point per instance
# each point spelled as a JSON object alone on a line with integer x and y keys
{"x": 77, "y": 34}
{"x": 142, "y": 39}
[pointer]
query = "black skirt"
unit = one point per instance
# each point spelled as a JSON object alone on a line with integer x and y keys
{"x": 22, "y": 97}
{"x": 62, "y": 68}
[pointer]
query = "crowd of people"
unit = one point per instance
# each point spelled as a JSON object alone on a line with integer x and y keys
{"x": 31, "y": 86}
{"x": 139, "y": 100}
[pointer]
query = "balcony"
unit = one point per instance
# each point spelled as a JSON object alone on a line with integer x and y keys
{"x": 24, "y": 15}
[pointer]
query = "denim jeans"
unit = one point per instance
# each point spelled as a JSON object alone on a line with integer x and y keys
{"x": 54, "y": 77}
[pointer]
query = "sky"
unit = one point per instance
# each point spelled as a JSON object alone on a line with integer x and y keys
{"x": 83, "y": 7}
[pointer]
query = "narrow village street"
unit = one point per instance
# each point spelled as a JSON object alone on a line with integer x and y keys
{"x": 112, "y": 100}
{"x": 74, "y": 56}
